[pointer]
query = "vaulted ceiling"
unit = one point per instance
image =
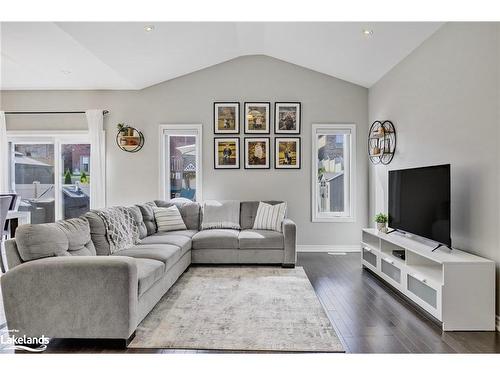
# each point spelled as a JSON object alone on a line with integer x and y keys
{"x": 113, "y": 55}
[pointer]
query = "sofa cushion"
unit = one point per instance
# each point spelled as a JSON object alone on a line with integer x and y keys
{"x": 168, "y": 219}
{"x": 148, "y": 272}
{"x": 98, "y": 233}
{"x": 190, "y": 211}
{"x": 248, "y": 211}
{"x": 216, "y": 239}
{"x": 167, "y": 254}
{"x": 148, "y": 217}
{"x": 221, "y": 215}
{"x": 260, "y": 239}
{"x": 62, "y": 238}
{"x": 136, "y": 213}
{"x": 270, "y": 217}
{"x": 184, "y": 242}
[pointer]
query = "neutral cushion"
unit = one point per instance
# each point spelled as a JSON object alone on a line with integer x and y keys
{"x": 168, "y": 219}
{"x": 148, "y": 217}
{"x": 221, "y": 215}
{"x": 98, "y": 233}
{"x": 270, "y": 217}
{"x": 148, "y": 272}
{"x": 167, "y": 254}
{"x": 136, "y": 213}
{"x": 260, "y": 239}
{"x": 248, "y": 211}
{"x": 216, "y": 239}
{"x": 182, "y": 241}
{"x": 190, "y": 211}
{"x": 63, "y": 238}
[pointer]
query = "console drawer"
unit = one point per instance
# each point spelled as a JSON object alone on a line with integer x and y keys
{"x": 422, "y": 290}
{"x": 369, "y": 256}
{"x": 391, "y": 270}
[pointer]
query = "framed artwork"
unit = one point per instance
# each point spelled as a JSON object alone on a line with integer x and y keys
{"x": 257, "y": 118}
{"x": 287, "y": 153}
{"x": 287, "y": 118}
{"x": 226, "y": 153}
{"x": 226, "y": 118}
{"x": 257, "y": 155}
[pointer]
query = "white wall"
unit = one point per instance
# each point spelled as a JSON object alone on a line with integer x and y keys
{"x": 444, "y": 101}
{"x": 189, "y": 99}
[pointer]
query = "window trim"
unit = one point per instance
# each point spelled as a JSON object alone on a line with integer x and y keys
{"x": 57, "y": 138}
{"x": 316, "y": 217}
{"x": 164, "y": 167}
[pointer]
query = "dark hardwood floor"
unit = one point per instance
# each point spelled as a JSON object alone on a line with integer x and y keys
{"x": 367, "y": 315}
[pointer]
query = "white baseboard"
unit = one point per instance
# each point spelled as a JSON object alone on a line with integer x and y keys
{"x": 328, "y": 248}
{"x": 498, "y": 322}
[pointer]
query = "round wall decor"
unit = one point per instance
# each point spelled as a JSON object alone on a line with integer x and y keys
{"x": 129, "y": 139}
{"x": 381, "y": 142}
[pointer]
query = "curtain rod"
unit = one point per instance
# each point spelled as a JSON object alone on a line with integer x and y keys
{"x": 105, "y": 112}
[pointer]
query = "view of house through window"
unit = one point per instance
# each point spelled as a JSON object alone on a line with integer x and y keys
{"x": 75, "y": 179}
{"x": 182, "y": 157}
{"x": 331, "y": 167}
{"x": 331, "y": 173}
{"x": 34, "y": 180}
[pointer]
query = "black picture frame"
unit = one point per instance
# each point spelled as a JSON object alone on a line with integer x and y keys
{"x": 236, "y": 105}
{"x": 298, "y": 118}
{"x": 268, "y": 119}
{"x": 298, "y": 152}
{"x": 245, "y": 150}
{"x": 216, "y": 152}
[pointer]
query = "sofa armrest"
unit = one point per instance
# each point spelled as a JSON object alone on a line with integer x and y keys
{"x": 290, "y": 239}
{"x": 72, "y": 297}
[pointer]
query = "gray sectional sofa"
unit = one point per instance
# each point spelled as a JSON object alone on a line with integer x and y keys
{"x": 63, "y": 281}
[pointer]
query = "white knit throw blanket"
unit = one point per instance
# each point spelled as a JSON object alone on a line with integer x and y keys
{"x": 122, "y": 230}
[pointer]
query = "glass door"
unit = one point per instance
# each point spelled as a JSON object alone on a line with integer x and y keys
{"x": 52, "y": 175}
{"x": 33, "y": 167}
{"x": 75, "y": 180}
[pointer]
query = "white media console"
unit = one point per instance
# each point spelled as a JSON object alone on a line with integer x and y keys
{"x": 455, "y": 287}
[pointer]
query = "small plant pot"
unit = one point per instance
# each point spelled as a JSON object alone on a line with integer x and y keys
{"x": 382, "y": 227}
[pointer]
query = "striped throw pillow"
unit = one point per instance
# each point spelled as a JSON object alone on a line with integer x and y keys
{"x": 270, "y": 217}
{"x": 168, "y": 219}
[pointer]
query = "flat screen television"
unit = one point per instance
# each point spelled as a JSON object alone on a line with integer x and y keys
{"x": 419, "y": 202}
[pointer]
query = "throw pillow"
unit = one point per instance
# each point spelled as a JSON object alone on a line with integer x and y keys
{"x": 168, "y": 219}
{"x": 221, "y": 215}
{"x": 270, "y": 217}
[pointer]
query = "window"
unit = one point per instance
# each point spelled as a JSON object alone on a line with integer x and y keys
{"x": 333, "y": 158}
{"x": 51, "y": 173}
{"x": 180, "y": 162}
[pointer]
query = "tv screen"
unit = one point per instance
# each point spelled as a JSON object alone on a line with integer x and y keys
{"x": 419, "y": 202}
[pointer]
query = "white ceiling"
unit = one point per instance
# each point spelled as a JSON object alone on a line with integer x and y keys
{"x": 112, "y": 55}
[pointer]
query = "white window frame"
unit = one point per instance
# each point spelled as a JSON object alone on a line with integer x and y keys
{"x": 56, "y": 138}
{"x": 347, "y": 215}
{"x": 195, "y": 130}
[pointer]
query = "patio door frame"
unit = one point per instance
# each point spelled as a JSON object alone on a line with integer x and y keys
{"x": 189, "y": 130}
{"x": 56, "y": 138}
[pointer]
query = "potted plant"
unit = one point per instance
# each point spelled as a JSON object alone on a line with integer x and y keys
{"x": 83, "y": 178}
{"x": 381, "y": 220}
{"x": 123, "y": 131}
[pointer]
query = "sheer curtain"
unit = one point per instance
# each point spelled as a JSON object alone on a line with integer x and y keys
{"x": 4, "y": 156}
{"x": 95, "y": 120}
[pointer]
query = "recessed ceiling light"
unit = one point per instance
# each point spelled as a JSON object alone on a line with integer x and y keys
{"x": 149, "y": 28}
{"x": 367, "y": 32}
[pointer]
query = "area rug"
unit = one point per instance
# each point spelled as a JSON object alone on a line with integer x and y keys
{"x": 239, "y": 309}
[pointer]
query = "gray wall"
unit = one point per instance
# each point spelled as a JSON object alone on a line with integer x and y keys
{"x": 444, "y": 101}
{"x": 189, "y": 99}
